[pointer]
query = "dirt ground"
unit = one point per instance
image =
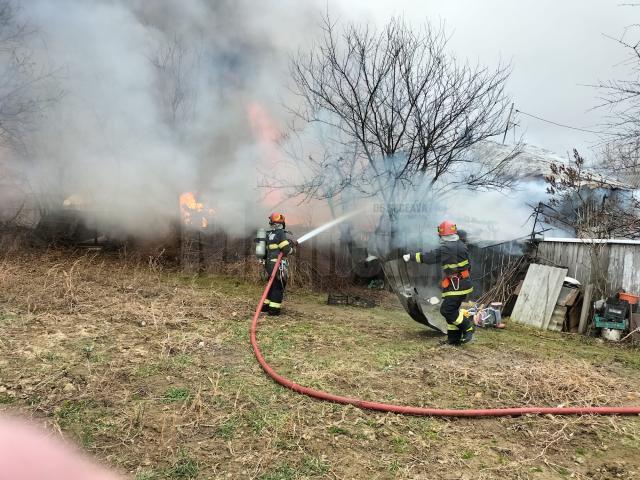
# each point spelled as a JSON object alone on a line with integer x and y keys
{"x": 151, "y": 372}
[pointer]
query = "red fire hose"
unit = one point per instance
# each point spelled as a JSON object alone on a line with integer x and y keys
{"x": 437, "y": 412}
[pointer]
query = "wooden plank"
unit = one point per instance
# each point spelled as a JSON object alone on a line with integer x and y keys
{"x": 538, "y": 295}
{"x": 583, "y": 273}
{"x": 568, "y": 296}
{"x": 586, "y": 306}
{"x": 633, "y": 281}
{"x": 633, "y": 325}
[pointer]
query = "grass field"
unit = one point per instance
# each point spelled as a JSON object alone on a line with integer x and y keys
{"x": 151, "y": 372}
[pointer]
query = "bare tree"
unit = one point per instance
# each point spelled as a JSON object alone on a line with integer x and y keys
{"x": 587, "y": 205}
{"x": 27, "y": 89}
{"x": 398, "y": 111}
{"x": 176, "y": 63}
{"x": 23, "y": 90}
{"x": 622, "y": 96}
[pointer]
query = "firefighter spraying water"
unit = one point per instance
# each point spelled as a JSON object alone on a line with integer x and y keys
{"x": 270, "y": 244}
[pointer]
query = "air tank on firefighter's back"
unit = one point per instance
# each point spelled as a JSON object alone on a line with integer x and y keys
{"x": 261, "y": 243}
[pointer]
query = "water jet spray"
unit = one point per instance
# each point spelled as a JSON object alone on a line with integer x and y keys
{"x": 326, "y": 226}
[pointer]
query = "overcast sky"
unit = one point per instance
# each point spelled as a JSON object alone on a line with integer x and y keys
{"x": 555, "y": 47}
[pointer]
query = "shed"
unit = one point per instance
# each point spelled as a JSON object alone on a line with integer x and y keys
{"x": 613, "y": 263}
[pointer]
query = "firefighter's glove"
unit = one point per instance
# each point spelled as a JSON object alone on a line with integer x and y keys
{"x": 294, "y": 242}
{"x": 406, "y": 257}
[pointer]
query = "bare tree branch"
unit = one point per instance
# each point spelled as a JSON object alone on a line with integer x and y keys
{"x": 406, "y": 112}
{"x": 22, "y": 92}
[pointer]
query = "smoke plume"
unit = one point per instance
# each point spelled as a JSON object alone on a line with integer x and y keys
{"x": 143, "y": 101}
{"x": 153, "y": 99}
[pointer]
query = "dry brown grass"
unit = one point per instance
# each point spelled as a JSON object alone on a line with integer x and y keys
{"x": 151, "y": 371}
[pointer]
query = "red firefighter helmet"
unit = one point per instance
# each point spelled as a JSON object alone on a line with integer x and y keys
{"x": 447, "y": 228}
{"x": 276, "y": 218}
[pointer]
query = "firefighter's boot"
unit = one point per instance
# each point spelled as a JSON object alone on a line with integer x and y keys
{"x": 265, "y": 306}
{"x": 274, "y": 308}
{"x": 454, "y": 335}
{"x": 466, "y": 327}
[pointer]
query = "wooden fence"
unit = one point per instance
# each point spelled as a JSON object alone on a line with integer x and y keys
{"x": 489, "y": 262}
{"x": 319, "y": 263}
{"x": 612, "y": 264}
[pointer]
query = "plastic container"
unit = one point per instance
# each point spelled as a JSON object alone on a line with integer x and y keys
{"x": 613, "y": 335}
{"x": 630, "y": 298}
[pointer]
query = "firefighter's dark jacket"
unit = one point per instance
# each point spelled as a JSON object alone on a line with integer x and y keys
{"x": 277, "y": 242}
{"x": 454, "y": 258}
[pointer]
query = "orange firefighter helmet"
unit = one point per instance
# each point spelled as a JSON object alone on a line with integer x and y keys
{"x": 276, "y": 218}
{"x": 447, "y": 228}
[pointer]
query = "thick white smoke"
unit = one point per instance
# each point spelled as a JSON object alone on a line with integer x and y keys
{"x": 154, "y": 99}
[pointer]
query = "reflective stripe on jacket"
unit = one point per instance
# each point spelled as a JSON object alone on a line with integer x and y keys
{"x": 454, "y": 258}
{"x": 277, "y": 242}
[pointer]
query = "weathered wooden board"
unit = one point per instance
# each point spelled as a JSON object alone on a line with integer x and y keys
{"x": 538, "y": 295}
{"x": 624, "y": 268}
{"x": 617, "y": 262}
{"x": 586, "y": 308}
{"x": 633, "y": 325}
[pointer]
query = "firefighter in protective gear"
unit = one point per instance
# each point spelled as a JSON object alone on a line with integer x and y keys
{"x": 456, "y": 282}
{"x": 277, "y": 242}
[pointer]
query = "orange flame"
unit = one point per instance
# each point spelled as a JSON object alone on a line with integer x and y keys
{"x": 267, "y": 134}
{"x": 193, "y": 212}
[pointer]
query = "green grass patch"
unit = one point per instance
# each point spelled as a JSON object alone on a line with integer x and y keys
{"x": 261, "y": 419}
{"x": 333, "y": 430}
{"x": 177, "y": 394}
{"x": 276, "y": 343}
{"x": 185, "y": 467}
{"x": 282, "y": 472}
{"x": 400, "y": 444}
{"x": 50, "y": 357}
{"x": 552, "y": 345}
{"x": 148, "y": 370}
{"x": 313, "y": 466}
{"x": 88, "y": 350}
{"x": 181, "y": 361}
{"x": 467, "y": 455}
{"x": 71, "y": 412}
{"x": 86, "y": 421}
{"x": 393, "y": 466}
{"x": 309, "y": 467}
{"x": 6, "y": 318}
{"x": 174, "y": 364}
{"x": 227, "y": 429}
